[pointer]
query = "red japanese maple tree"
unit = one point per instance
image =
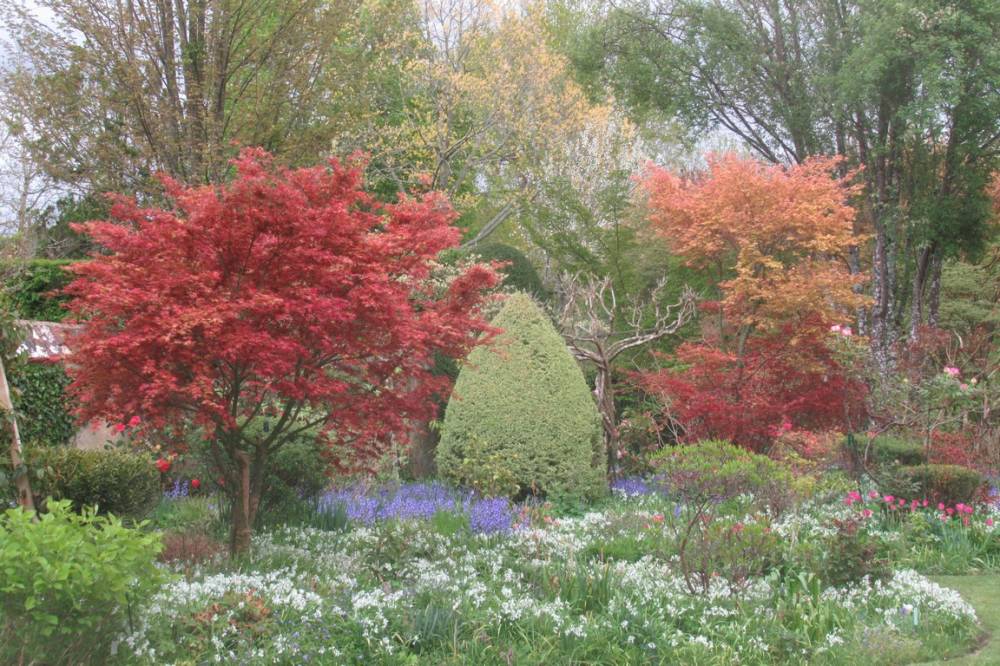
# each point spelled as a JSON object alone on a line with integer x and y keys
{"x": 776, "y": 239}
{"x": 290, "y": 294}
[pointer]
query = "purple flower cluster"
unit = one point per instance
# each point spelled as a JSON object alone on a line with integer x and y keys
{"x": 491, "y": 515}
{"x": 179, "y": 490}
{"x": 634, "y": 486}
{"x": 367, "y": 505}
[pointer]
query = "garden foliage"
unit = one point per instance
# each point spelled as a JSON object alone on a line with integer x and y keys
{"x": 117, "y": 482}
{"x": 279, "y": 293}
{"x": 941, "y": 483}
{"x": 43, "y": 407}
{"x": 523, "y": 405}
{"x": 69, "y": 584}
{"x": 519, "y": 274}
{"x": 34, "y": 289}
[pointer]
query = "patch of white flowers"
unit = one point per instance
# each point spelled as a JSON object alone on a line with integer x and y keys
{"x": 360, "y": 596}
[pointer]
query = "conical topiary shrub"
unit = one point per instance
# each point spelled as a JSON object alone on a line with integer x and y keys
{"x": 521, "y": 417}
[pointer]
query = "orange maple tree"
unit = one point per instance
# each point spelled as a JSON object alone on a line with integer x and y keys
{"x": 776, "y": 237}
{"x": 777, "y": 240}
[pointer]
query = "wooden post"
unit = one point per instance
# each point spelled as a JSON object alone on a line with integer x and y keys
{"x": 24, "y": 497}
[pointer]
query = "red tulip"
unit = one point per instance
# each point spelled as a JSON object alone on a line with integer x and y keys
{"x": 163, "y": 465}
{"x": 119, "y": 427}
{"x": 196, "y": 484}
{"x": 134, "y": 421}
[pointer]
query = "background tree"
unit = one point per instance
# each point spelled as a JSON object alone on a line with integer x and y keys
{"x": 287, "y": 295}
{"x": 777, "y": 239}
{"x": 115, "y": 93}
{"x": 904, "y": 89}
{"x": 598, "y": 329}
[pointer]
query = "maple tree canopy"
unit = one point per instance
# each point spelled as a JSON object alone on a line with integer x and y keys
{"x": 285, "y": 293}
{"x": 777, "y": 236}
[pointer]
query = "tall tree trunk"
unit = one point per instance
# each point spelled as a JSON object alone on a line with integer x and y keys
{"x": 934, "y": 295}
{"x": 21, "y": 482}
{"x": 920, "y": 279}
{"x": 881, "y": 317}
{"x": 605, "y": 398}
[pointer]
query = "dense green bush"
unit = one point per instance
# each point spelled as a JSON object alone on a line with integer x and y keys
{"x": 298, "y": 473}
{"x": 519, "y": 274}
{"x": 43, "y": 408}
{"x": 889, "y": 449}
{"x": 712, "y": 471}
{"x": 524, "y": 400}
{"x": 68, "y": 582}
{"x": 118, "y": 482}
{"x": 943, "y": 483}
{"x": 32, "y": 288}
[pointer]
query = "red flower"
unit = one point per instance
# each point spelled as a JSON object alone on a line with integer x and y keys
{"x": 163, "y": 465}
{"x": 196, "y": 484}
{"x": 658, "y": 518}
{"x": 119, "y": 428}
{"x": 134, "y": 421}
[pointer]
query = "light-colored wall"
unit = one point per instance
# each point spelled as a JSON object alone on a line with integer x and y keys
{"x": 90, "y": 437}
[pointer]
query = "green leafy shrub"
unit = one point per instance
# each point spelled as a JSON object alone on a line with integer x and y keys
{"x": 33, "y": 286}
{"x": 850, "y": 554}
{"x": 713, "y": 471}
{"x": 706, "y": 477}
{"x": 43, "y": 408}
{"x": 944, "y": 483}
{"x": 299, "y": 472}
{"x": 122, "y": 483}
{"x": 524, "y": 400}
{"x": 734, "y": 549}
{"x": 69, "y": 582}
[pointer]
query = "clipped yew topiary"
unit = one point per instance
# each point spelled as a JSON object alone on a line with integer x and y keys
{"x": 521, "y": 409}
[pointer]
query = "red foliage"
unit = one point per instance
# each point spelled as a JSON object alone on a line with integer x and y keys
{"x": 782, "y": 381}
{"x": 280, "y": 291}
{"x": 954, "y": 448}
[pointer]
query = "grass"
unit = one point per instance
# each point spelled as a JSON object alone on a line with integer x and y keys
{"x": 983, "y": 592}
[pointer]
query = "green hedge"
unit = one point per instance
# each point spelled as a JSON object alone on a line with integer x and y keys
{"x": 888, "y": 449}
{"x": 43, "y": 408}
{"x": 119, "y": 482}
{"x": 885, "y": 450}
{"x": 943, "y": 483}
{"x": 32, "y": 286}
{"x": 522, "y": 409}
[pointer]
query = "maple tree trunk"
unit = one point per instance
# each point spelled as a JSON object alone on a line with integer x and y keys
{"x": 21, "y": 481}
{"x": 246, "y": 500}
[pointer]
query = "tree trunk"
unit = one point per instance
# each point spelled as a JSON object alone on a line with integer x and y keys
{"x": 920, "y": 279}
{"x": 934, "y": 297}
{"x": 21, "y": 482}
{"x": 420, "y": 460}
{"x": 881, "y": 318}
{"x": 245, "y": 503}
{"x": 605, "y": 398}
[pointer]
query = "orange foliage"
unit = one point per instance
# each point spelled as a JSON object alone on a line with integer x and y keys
{"x": 777, "y": 236}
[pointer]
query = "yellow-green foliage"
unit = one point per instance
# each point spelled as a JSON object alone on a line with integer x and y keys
{"x": 523, "y": 401}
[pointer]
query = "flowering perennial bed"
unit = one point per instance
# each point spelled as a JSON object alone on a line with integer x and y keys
{"x": 405, "y": 586}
